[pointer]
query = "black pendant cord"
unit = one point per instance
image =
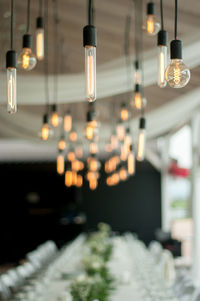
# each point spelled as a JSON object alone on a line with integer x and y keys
{"x": 12, "y": 24}
{"x": 161, "y": 15}
{"x": 28, "y": 16}
{"x": 56, "y": 62}
{"x": 46, "y": 65}
{"x": 90, "y": 12}
{"x": 127, "y": 47}
{"x": 176, "y": 19}
{"x": 40, "y": 6}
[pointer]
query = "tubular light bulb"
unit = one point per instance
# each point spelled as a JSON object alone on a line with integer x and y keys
{"x": 89, "y": 132}
{"x": 68, "y": 178}
{"x": 162, "y": 58}
{"x": 152, "y": 27}
{"x": 123, "y": 174}
{"x": 79, "y": 181}
{"x": 55, "y": 119}
{"x": 141, "y": 140}
{"x": 177, "y": 74}
{"x": 93, "y": 184}
{"x": 131, "y": 162}
{"x": 39, "y": 39}
{"x": 124, "y": 113}
{"x": 11, "y": 65}
{"x": 90, "y": 72}
{"x": 60, "y": 164}
{"x": 45, "y": 131}
{"x": 68, "y": 122}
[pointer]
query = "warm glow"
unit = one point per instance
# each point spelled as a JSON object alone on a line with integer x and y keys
{"x": 73, "y": 136}
{"x": 75, "y": 165}
{"x": 68, "y": 178}
{"x": 120, "y": 132}
{"x": 141, "y": 146}
{"x": 74, "y": 178}
{"x": 79, "y": 181}
{"x": 93, "y": 148}
{"x": 93, "y": 165}
{"x": 138, "y": 100}
{"x": 68, "y": 123}
{"x": 89, "y": 132}
{"x": 127, "y": 141}
{"x": 161, "y": 70}
{"x": 12, "y": 99}
{"x": 124, "y": 114}
{"x": 93, "y": 184}
{"x": 45, "y": 132}
{"x": 177, "y": 75}
{"x": 62, "y": 144}
{"x": 124, "y": 152}
{"x": 40, "y": 44}
{"x": 92, "y": 175}
{"x": 60, "y": 164}
{"x": 90, "y": 70}
{"x": 55, "y": 119}
{"x": 71, "y": 156}
{"x": 131, "y": 164}
{"x": 123, "y": 174}
{"x": 114, "y": 142}
{"x": 25, "y": 60}
{"x": 79, "y": 152}
{"x": 150, "y": 24}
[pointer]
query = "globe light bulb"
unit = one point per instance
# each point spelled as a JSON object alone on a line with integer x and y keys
{"x": 60, "y": 164}
{"x": 124, "y": 112}
{"x": 11, "y": 65}
{"x": 40, "y": 39}
{"x": 141, "y": 140}
{"x": 62, "y": 144}
{"x": 152, "y": 27}
{"x": 68, "y": 122}
{"x": 177, "y": 74}
{"x": 26, "y": 59}
{"x": 162, "y": 58}
{"x": 89, "y": 42}
{"x": 131, "y": 161}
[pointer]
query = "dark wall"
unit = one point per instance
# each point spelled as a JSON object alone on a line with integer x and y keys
{"x": 28, "y": 221}
{"x": 134, "y": 205}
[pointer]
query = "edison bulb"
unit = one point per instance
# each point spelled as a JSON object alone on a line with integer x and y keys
{"x": 45, "y": 131}
{"x": 162, "y": 64}
{"x": 62, "y": 144}
{"x": 12, "y": 90}
{"x": 141, "y": 145}
{"x": 60, "y": 164}
{"x": 73, "y": 136}
{"x": 124, "y": 113}
{"x": 26, "y": 59}
{"x": 90, "y": 73}
{"x": 89, "y": 131}
{"x": 152, "y": 27}
{"x": 40, "y": 43}
{"x": 131, "y": 163}
{"x": 68, "y": 178}
{"x": 68, "y": 122}
{"x": 79, "y": 181}
{"x": 177, "y": 74}
{"x": 93, "y": 183}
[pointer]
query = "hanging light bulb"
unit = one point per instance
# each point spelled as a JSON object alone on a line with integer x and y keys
{"x": 62, "y": 144}
{"x": 68, "y": 122}
{"x": 90, "y": 43}
{"x": 177, "y": 74}
{"x": 141, "y": 139}
{"x": 120, "y": 131}
{"x": 162, "y": 57}
{"x": 93, "y": 183}
{"x": 124, "y": 112}
{"x": 123, "y": 174}
{"x": 93, "y": 164}
{"x": 139, "y": 101}
{"x": 114, "y": 142}
{"x": 60, "y": 164}
{"x": 93, "y": 148}
{"x": 124, "y": 152}
{"x": 55, "y": 119}
{"x": 138, "y": 73}
{"x": 73, "y": 136}
{"x": 128, "y": 138}
{"x": 40, "y": 38}
{"x": 131, "y": 161}
{"x": 74, "y": 178}
{"x": 71, "y": 156}
{"x": 68, "y": 178}
{"x": 79, "y": 152}
{"x": 45, "y": 132}
{"x": 152, "y": 27}
{"x": 11, "y": 65}
{"x": 91, "y": 125}
{"x": 26, "y": 59}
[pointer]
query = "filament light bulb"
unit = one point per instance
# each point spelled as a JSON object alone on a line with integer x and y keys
{"x": 73, "y": 136}
{"x": 11, "y": 65}
{"x": 123, "y": 174}
{"x": 120, "y": 131}
{"x": 68, "y": 122}
{"x": 60, "y": 164}
{"x": 93, "y": 148}
{"x": 177, "y": 74}
{"x": 162, "y": 58}
{"x": 141, "y": 140}
{"x": 124, "y": 113}
{"x": 62, "y": 144}
{"x": 79, "y": 152}
{"x": 90, "y": 43}
{"x": 152, "y": 27}
{"x": 45, "y": 131}
{"x": 71, "y": 156}
{"x": 26, "y": 59}
{"x": 55, "y": 119}
{"x": 68, "y": 178}
{"x": 131, "y": 161}
{"x": 40, "y": 38}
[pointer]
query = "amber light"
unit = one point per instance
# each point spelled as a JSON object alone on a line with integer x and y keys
{"x": 68, "y": 178}
{"x": 73, "y": 136}
{"x": 93, "y": 184}
{"x": 79, "y": 152}
{"x": 45, "y": 132}
{"x": 131, "y": 164}
{"x": 124, "y": 113}
{"x": 123, "y": 174}
{"x": 71, "y": 156}
{"x": 120, "y": 132}
{"x": 55, "y": 119}
{"x": 62, "y": 144}
{"x": 79, "y": 181}
{"x": 68, "y": 122}
{"x": 93, "y": 148}
{"x": 74, "y": 178}
{"x": 60, "y": 164}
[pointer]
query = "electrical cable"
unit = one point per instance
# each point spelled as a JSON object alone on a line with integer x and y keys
{"x": 11, "y": 24}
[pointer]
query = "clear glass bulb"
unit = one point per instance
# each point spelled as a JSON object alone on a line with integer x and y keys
{"x": 26, "y": 59}
{"x": 138, "y": 100}
{"x": 55, "y": 119}
{"x": 60, "y": 164}
{"x": 67, "y": 122}
{"x": 162, "y": 64}
{"x": 141, "y": 145}
{"x": 45, "y": 131}
{"x": 40, "y": 43}
{"x": 152, "y": 27}
{"x": 177, "y": 74}
{"x": 90, "y": 73}
{"x": 131, "y": 163}
{"x": 12, "y": 90}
